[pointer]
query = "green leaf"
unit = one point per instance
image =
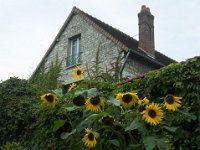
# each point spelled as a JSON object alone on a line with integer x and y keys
{"x": 134, "y": 146}
{"x": 65, "y": 135}
{"x": 150, "y": 142}
{"x": 171, "y": 129}
{"x": 70, "y": 108}
{"x": 114, "y": 101}
{"x": 92, "y": 92}
{"x": 114, "y": 142}
{"x": 131, "y": 114}
{"x": 93, "y": 117}
{"x": 58, "y": 124}
{"x": 80, "y": 92}
{"x": 134, "y": 124}
{"x": 58, "y": 92}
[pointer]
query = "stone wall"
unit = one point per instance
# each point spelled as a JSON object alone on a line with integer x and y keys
{"x": 135, "y": 67}
{"x": 91, "y": 40}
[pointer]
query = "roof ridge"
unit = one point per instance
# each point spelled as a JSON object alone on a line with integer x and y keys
{"x": 108, "y": 25}
{"x": 165, "y": 55}
{"x": 104, "y": 26}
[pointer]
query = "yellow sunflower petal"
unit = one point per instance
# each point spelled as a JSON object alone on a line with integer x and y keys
{"x": 172, "y": 102}
{"x": 78, "y": 72}
{"x": 152, "y": 114}
{"x": 119, "y": 96}
{"x": 49, "y": 99}
{"x": 72, "y": 86}
{"x": 145, "y": 100}
{"x": 89, "y": 138}
{"x": 140, "y": 101}
{"x": 94, "y": 103}
{"x": 127, "y": 99}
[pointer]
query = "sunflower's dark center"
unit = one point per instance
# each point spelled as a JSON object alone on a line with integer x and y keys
{"x": 108, "y": 121}
{"x": 126, "y": 98}
{"x": 91, "y": 136}
{"x": 170, "y": 99}
{"x": 78, "y": 72}
{"x": 95, "y": 100}
{"x": 79, "y": 100}
{"x": 152, "y": 113}
{"x": 49, "y": 98}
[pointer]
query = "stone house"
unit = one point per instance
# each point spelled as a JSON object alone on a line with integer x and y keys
{"x": 80, "y": 37}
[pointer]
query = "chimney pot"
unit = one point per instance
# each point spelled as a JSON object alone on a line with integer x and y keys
{"x": 148, "y": 9}
{"x": 143, "y": 8}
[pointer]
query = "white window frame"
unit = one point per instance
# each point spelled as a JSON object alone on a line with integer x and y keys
{"x": 73, "y": 57}
{"x": 77, "y": 46}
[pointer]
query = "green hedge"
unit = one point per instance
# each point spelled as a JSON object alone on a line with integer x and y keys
{"x": 17, "y": 98}
{"x": 26, "y": 120}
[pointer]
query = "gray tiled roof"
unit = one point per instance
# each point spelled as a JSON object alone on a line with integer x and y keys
{"x": 128, "y": 41}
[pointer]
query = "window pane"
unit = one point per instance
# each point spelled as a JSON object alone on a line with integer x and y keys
{"x": 74, "y": 55}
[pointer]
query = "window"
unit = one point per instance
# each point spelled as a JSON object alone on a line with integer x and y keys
{"x": 73, "y": 57}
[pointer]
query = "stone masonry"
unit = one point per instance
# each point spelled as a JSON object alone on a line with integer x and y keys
{"x": 91, "y": 40}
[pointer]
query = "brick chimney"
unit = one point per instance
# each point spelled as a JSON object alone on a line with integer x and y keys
{"x": 146, "y": 31}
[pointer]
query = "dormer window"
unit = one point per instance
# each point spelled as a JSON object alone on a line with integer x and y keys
{"x": 73, "y": 55}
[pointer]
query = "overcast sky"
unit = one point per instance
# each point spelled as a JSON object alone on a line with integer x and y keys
{"x": 28, "y": 27}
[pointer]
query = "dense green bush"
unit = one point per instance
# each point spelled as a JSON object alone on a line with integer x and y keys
{"x": 12, "y": 146}
{"x": 181, "y": 79}
{"x": 17, "y": 97}
{"x": 115, "y": 126}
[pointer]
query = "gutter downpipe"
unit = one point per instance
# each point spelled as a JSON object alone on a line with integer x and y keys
{"x": 123, "y": 65}
{"x": 137, "y": 53}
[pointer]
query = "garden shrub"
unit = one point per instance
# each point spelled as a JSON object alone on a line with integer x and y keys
{"x": 99, "y": 114}
{"x": 17, "y": 97}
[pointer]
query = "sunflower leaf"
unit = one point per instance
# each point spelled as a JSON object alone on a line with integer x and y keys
{"x": 58, "y": 92}
{"x": 58, "y": 124}
{"x": 134, "y": 124}
{"x": 65, "y": 135}
{"x": 114, "y": 101}
{"x": 171, "y": 129}
{"x": 150, "y": 142}
{"x": 93, "y": 117}
{"x": 70, "y": 108}
{"x": 92, "y": 92}
{"x": 82, "y": 92}
{"x": 114, "y": 142}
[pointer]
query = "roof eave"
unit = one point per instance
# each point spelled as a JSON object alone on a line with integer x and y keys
{"x": 146, "y": 57}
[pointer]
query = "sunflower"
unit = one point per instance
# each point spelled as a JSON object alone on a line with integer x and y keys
{"x": 49, "y": 99}
{"x": 172, "y": 102}
{"x": 89, "y": 138}
{"x": 72, "y": 86}
{"x": 78, "y": 72}
{"x": 145, "y": 100}
{"x": 152, "y": 114}
{"x": 127, "y": 99}
{"x": 94, "y": 103}
{"x": 79, "y": 100}
{"x": 108, "y": 121}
